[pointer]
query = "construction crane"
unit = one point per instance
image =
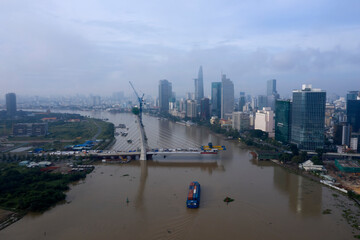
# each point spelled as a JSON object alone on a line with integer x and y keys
{"x": 141, "y": 100}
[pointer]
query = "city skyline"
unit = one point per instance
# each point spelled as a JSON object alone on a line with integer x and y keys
{"x": 65, "y": 48}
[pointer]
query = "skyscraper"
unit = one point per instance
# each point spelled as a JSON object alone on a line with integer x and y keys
{"x": 205, "y": 109}
{"x": 352, "y": 95}
{"x": 271, "y": 94}
{"x": 227, "y": 97}
{"x": 242, "y": 101}
{"x": 271, "y": 87}
{"x": 216, "y": 99}
{"x": 199, "y": 86}
{"x": 10, "y": 104}
{"x": 308, "y": 118}
{"x": 261, "y": 101}
{"x": 165, "y": 93}
{"x": 283, "y": 121}
{"x": 353, "y": 114}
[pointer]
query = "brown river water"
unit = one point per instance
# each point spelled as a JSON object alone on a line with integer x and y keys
{"x": 270, "y": 202}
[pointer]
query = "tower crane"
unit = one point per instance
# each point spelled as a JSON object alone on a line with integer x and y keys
{"x": 141, "y": 100}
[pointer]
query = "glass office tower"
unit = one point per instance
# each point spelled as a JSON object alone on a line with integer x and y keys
{"x": 353, "y": 114}
{"x": 216, "y": 99}
{"x": 308, "y": 118}
{"x": 283, "y": 121}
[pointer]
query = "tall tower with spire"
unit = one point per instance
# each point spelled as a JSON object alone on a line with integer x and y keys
{"x": 199, "y": 86}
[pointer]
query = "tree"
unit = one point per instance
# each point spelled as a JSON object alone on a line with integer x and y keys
{"x": 320, "y": 152}
{"x": 135, "y": 110}
{"x": 256, "y": 133}
{"x": 294, "y": 149}
{"x": 316, "y": 160}
{"x": 285, "y": 157}
{"x": 296, "y": 159}
{"x": 303, "y": 156}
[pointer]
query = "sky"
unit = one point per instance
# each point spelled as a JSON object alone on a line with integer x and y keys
{"x": 66, "y": 47}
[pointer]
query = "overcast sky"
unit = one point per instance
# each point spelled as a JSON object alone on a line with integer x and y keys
{"x": 92, "y": 46}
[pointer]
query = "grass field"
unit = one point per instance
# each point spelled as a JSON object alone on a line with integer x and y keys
{"x": 63, "y": 133}
{"x": 72, "y": 130}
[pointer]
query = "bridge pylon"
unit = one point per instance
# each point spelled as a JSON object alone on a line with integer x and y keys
{"x": 143, "y": 139}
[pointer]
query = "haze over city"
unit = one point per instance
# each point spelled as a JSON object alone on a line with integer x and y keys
{"x": 68, "y": 47}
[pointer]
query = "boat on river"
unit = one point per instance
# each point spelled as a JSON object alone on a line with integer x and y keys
{"x": 193, "y": 198}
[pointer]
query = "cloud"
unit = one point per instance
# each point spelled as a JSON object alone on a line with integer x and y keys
{"x": 66, "y": 47}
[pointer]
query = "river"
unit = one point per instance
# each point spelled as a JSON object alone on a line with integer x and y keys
{"x": 270, "y": 203}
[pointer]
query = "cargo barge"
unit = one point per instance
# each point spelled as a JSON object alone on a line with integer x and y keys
{"x": 211, "y": 151}
{"x": 193, "y": 199}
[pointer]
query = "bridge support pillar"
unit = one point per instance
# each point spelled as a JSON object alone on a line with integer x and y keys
{"x": 142, "y": 140}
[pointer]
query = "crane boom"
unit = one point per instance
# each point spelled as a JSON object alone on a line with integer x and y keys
{"x": 140, "y": 99}
{"x": 134, "y": 90}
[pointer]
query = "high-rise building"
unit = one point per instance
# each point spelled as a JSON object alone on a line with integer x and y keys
{"x": 352, "y": 95}
{"x": 271, "y": 101}
{"x": 172, "y": 102}
{"x": 241, "y": 121}
{"x": 165, "y": 93}
{"x": 199, "y": 86}
{"x": 355, "y": 142}
{"x": 254, "y": 103}
{"x": 191, "y": 108}
{"x": 10, "y": 104}
{"x": 95, "y": 101}
{"x": 227, "y": 97}
{"x": 271, "y": 87}
{"x": 205, "y": 109}
{"x": 271, "y": 94}
{"x": 283, "y": 121}
{"x": 345, "y": 136}
{"x": 216, "y": 99}
{"x": 242, "y": 101}
{"x": 353, "y": 114}
{"x": 182, "y": 105}
{"x": 308, "y": 118}
{"x": 261, "y": 101}
{"x": 264, "y": 120}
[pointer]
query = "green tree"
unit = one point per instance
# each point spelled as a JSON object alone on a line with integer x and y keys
{"x": 320, "y": 152}
{"x": 296, "y": 159}
{"x": 285, "y": 157}
{"x": 316, "y": 160}
{"x": 303, "y": 156}
{"x": 294, "y": 149}
{"x": 135, "y": 110}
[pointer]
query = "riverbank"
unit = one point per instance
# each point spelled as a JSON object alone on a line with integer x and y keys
{"x": 24, "y": 190}
{"x": 9, "y": 217}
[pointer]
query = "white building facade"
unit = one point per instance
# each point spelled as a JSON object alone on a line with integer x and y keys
{"x": 264, "y": 120}
{"x": 240, "y": 121}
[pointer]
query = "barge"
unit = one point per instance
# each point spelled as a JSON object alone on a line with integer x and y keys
{"x": 193, "y": 198}
{"x": 211, "y": 151}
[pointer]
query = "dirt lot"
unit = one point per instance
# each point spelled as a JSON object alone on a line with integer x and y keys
{"x": 347, "y": 180}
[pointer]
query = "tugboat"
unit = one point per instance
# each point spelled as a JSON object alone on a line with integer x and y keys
{"x": 193, "y": 199}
